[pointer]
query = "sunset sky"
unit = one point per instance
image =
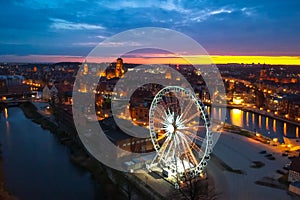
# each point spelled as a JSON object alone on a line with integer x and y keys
{"x": 265, "y": 31}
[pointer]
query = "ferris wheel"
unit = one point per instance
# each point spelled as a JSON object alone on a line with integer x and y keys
{"x": 179, "y": 130}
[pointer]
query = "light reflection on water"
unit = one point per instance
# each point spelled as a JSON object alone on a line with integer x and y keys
{"x": 259, "y": 121}
{"x": 254, "y": 122}
{"x": 7, "y": 127}
{"x": 5, "y": 113}
{"x": 237, "y": 117}
{"x": 284, "y": 129}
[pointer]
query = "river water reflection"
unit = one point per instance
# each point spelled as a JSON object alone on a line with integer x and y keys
{"x": 267, "y": 126}
{"x": 36, "y": 165}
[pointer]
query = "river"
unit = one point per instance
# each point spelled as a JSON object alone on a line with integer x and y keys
{"x": 36, "y": 165}
{"x": 264, "y": 125}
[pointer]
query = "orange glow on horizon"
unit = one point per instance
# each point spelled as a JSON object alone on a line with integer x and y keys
{"x": 202, "y": 59}
{"x": 216, "y": 59}
{"x": 273, "y": 60}
{"x": 170, "y": 59}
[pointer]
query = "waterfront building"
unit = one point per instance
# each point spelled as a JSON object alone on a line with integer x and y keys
{"x": 291, "y": 106}
{"x": 13, "y": 85}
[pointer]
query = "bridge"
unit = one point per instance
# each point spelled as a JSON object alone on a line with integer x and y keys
{"x": 11, "y": 103}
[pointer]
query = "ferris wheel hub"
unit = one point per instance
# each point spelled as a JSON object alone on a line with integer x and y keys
{"x": 170, "y": 128}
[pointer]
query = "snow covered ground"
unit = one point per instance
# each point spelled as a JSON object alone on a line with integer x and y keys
{"x": 239, "y": 152}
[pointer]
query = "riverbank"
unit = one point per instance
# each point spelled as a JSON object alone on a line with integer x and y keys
{"x": 78, "y": 154}
{"x": 131, "y": 186}
{"x": 116, "y": 185}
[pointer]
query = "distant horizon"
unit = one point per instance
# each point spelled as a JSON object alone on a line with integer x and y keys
{"x": 159, "y": 59}
{"x": 254, "y": 27}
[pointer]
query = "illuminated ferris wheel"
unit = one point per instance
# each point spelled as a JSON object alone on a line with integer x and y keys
{"x": 179, "y": 130}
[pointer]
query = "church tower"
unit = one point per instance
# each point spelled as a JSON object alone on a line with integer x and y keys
{"x": 119, "y": 68}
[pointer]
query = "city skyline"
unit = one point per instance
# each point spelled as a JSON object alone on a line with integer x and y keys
{"x": 159, "y": 59}
{"x": 232, "y": 32}
{"x": 152, "y": 99}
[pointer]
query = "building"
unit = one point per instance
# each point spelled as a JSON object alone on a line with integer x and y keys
{"x": 119, "y": 68}
{"x": 291, "y": 106}
{"x": 12, "y": 80}
{"x": 140, "y": 102}
{"x": 46, "y": 93}
{"x": 3, "y": 88}
{"x": 294, "y": 170}
{"x": 140, "y": 113}
{"x": 53, "y": 92}
{"x": 263, "y": 74}
{"x": 64, "y": 93}
{"x": 13, "y": 85}
{"x": 259, "y": 99}
{"x": 114, "y": 70}
{"x": 124, "y": 140}
{"x": 294, "y": 110}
